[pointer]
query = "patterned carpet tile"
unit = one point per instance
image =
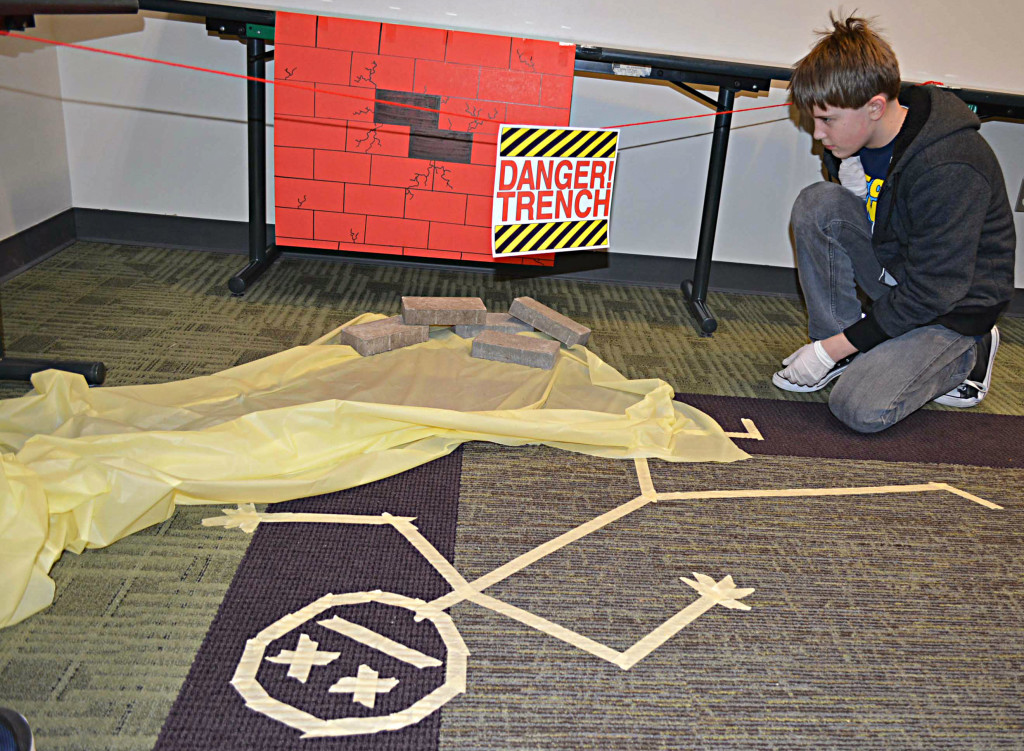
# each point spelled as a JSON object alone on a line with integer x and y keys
{"x": 101, "y": 668}
{"x": 872, "y": 615}
{"x": 293, "y": 564}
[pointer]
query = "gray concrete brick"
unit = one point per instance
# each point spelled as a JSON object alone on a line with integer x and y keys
{"x": 550, "y": 321}
{"x": 443, "y": 311}
{"x": 502, "y": 322}
{"x": 522, "y": 350}
{"x": 383, "y": 336}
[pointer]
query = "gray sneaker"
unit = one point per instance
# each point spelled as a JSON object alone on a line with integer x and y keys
{"x": 973, "y": 390}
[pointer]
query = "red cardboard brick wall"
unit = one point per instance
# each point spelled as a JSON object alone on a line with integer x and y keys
{"x": 353, "y": 174}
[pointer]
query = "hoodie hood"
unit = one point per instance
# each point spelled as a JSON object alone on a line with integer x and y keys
{"x": 933, "y": 114}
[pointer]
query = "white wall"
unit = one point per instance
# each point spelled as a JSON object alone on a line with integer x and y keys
{"x": 149, "y": 138}
{"x": 152, "y": 139}
{"x": 1007, "y": 140}
{"x": 662, "y": 172}
{"x": 972, "y": 44}
{"x": 34, "y": 176}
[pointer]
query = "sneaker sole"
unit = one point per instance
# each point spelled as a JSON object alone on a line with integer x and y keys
{"x": 785, "y": 385}
{"x": 954, "y": 401}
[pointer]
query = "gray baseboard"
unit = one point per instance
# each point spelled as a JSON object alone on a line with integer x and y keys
{"x": 160, "y": 231}
{"x": 27, "y": 248}
{"x": 126, "y": 228}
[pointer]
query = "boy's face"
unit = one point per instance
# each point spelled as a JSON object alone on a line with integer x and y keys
{"x": 843, "y": 131}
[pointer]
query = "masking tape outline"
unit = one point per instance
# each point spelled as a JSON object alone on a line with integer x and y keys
{"x": 257, "y": 698}
{"x": 391, "y": 648}
{"x": 643, "y": 476}
{"x": 724, "y": 592}
{"x": 463, "y": 590}
{"x": 365, "y": 686}
{"x": 750, "y": 428}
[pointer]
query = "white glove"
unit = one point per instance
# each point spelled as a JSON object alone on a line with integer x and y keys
{"x": 851, "y": 176}
{"x": 807, "y": 365}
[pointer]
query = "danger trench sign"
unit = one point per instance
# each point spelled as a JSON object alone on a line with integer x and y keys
{"x": 552, "y": 189}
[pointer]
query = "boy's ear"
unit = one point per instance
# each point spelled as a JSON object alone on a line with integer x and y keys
{"x": 877, "y": 105}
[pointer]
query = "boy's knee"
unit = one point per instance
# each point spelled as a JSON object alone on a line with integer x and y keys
{"x": 858, "y": 408}
{"x": 819, "y": 203}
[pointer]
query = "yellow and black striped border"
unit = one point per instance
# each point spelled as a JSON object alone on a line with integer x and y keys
{"x": 558, "y": 142}
{"x": 539, "y": 237}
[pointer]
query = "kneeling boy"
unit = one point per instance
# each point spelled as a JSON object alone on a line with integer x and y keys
{"x": 919, "y": 219}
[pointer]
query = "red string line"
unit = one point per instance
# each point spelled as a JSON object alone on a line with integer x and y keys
{"x": 703, "y": 114}
{"x": 304, "y": 87}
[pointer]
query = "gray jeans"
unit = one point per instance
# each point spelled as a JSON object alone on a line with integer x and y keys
{"x": 834, "y": 256}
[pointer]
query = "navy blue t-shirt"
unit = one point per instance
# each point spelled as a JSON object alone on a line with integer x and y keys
{"x": 876, "y": 165}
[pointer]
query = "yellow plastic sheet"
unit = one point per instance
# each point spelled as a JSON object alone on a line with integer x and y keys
{"x": 84, "y": 467}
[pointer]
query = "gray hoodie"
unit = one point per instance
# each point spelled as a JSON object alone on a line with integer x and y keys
{"x": 943, "y": 225}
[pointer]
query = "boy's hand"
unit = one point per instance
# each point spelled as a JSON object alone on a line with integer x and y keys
{"x": 851, "y": 176}
{"x": 807, "y": 365}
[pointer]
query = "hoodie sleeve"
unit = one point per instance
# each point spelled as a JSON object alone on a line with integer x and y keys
{"x": 945, "y": 213}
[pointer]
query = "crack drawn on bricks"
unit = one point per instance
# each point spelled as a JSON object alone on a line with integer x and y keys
{"x": 443, "y": 174}
{"x": 526, "y": 60}
{"x": 370, "y": 134}
{"x": 371, "y": 70}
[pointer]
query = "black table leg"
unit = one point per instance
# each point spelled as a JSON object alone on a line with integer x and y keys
{"x": 21, "y": 369}
{"x": 696, "y": 291}
{"x": 260, "y": 257}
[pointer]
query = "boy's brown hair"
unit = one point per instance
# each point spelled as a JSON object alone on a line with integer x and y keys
{"x": 849, "y": 65}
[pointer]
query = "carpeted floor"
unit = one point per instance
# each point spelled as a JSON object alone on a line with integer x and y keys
{"x": 886, "y": 620}
{"x": 154, "y": 315}
{"x": 876, "y": 622}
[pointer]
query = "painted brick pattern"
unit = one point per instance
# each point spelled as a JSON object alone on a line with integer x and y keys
{"x": 348, "y": 177}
